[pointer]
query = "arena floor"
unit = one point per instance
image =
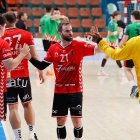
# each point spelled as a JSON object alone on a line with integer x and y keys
{"x": 108, "y": 113}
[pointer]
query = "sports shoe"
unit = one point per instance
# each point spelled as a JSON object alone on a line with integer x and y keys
{"x": 33, "y": 136}
{"x": 134, "y": 92}
{"x": 50, "y": 73}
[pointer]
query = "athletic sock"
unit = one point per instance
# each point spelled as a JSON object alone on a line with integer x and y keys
{"x": 17, "y": 133}
{"x": 103, "y": 62}
{"x": 31, "y": 128}
{"x": 132, "y": 83}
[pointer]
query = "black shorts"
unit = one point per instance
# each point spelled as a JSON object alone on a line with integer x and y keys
{"x": 129, "y": 63}
{"x": 18, "y": 87}
{"x": 47, "y": 44}
{"x": 63, "y": 102}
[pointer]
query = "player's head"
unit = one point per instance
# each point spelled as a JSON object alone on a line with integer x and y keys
{"x": 2, "y": 25}
{"x": 65, "y": 30}
{"x": 116, "y": 15}
{"x": 135, "y": 15}
{"x": 15, "y": 11}
{"x": 10, "y": 18}
{"x": 48, "y": 9}
{"x": 22, "y": 16}
{"x": 56, "y": 11}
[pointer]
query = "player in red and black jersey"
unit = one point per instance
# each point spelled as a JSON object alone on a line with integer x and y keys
{"x": 7, "y": 62}
{"x": 67, "y": 57}
{"x": 18, "y": 83}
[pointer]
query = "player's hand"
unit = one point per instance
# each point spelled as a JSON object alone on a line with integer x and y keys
{"x": 94, "y": 35}
{"x": 28, "y": 56}
{"x": 24, "y": 50}
{"x": 64, "y": 19}
{"x": 41, "y": 76}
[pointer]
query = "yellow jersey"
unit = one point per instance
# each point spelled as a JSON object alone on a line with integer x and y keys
{"x": 129, "y": 50}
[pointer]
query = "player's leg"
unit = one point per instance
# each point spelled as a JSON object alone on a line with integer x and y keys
{"x": 119, "y": 63}
{"x": 12, "y": 101}
{"x": 60, "y": 111}
{"x": 61, "y": 128}
{"x": 103, "y": 63}
{"x": 76, "y": 114}
{"x": 128, "y": 65}
{"x": 29, "y": 115}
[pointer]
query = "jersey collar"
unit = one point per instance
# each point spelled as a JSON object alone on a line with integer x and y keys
{"x": 10, "y": 28}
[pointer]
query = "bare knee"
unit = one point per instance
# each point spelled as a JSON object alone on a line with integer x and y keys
{"x": 77, "y": 122}
{"x": 26, "y": 105}
{"x": 127, "y": 69}
{"x": 61, "y": 121}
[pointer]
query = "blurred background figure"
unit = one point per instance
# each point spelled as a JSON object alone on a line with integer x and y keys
{"x": 112, "y": 38}
{"x": 3, "y": 6}
{"x": 22, "y": 18}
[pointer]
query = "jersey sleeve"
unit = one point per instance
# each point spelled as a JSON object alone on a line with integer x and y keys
{"x": 5, "y": 52}
{"x": 87, "y": 49}
{"x": 126, "y": 52}
{"x": 30, "y": 40}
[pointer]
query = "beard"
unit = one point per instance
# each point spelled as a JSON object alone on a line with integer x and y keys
{"x": 67, "y": 38}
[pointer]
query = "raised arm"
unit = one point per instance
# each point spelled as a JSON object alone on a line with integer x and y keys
{"x": 125, "y": 52}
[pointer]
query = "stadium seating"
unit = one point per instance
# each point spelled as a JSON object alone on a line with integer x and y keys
{"x": 82, "y": 13}
{"x": 46, "y": 2}
{"x": 37, "y": 11}
{"x": 96, "y": 12}
{"x": 86, "y": 23}
{"x": 75, "y": 34}
{"x": 94, "y": 2}
{"x": 29, "y": 23}
{"x": 73, "y": 12}
{"x": 100, "y": 23}
{"x": 70, "y": 2}
{"x": 103, "y": 34}
{"x": 36, "y": 22}
{"x": 58, "y": 2}
{"x": 35, "y": 2}
{"x": 63, "y": 11}
{"x": 75, "y": 23}
{"x": 82, "y": 2}
{"x": 11, "y": 2}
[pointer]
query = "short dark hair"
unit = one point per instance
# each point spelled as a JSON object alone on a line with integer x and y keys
{"x": 10, "y": 17}
{"x": 61, "y": 24}
{"x": 56, "y": 8}
{"x": 20, "y": 14}
{"x": 116, "y": 13}
{"x": 136, "y": 14}
{"x": 2, "y": 20}
{"x": 48, "y": 8}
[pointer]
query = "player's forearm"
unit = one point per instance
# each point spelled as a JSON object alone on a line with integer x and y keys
{"x": 116, "y": 54}
{"x": 11, "y": 64}
{"x": 124, "y": 40}
{"x": 41, "y": 65}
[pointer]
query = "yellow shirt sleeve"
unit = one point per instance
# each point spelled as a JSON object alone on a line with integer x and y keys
{"x": 127, "y": 51}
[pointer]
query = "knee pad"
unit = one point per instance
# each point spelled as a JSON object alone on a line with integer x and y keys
{"x": 61, "y": 132}
{"x": 78, "y": 132}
